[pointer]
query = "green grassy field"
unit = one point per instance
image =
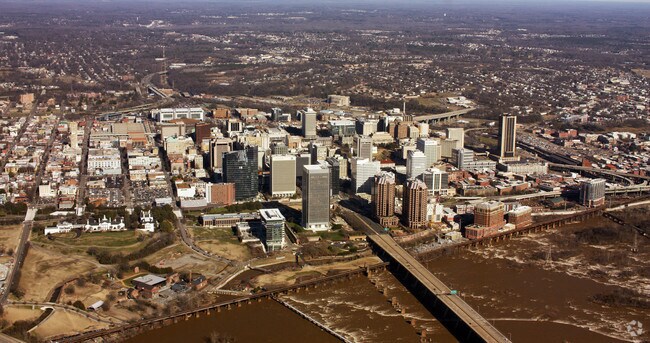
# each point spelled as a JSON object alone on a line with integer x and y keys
{"x": 222, "y": 235}
{"x": 332, "y": 235}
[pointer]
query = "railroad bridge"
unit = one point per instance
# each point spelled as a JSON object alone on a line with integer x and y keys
{"x": 130, "y": 330}
{"x": 446, "y": 305}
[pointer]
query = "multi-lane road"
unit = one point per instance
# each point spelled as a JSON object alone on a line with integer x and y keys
{"x": 19, "y": 255}
{"x": 479, "y": 325}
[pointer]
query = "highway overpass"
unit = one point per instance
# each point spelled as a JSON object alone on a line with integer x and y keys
{"x": 443, "y": 116}
{"x": 609, "y": 174}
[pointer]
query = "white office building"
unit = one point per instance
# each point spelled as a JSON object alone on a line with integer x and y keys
{"x": 316, "y": 197}
{"x": 363, "y": 147}
{"x": 166, "y": 114}
{"x": 363, "y": 173}
{"x": 437, "y": 181}
{"x": 416, "y": 164}
{"x": 283, "y": 175}
{"x": 308, "y": 117}
{"x": 431, "y": 149}
{"x": 104, "y": 161}
{"x": 456, "y": 134}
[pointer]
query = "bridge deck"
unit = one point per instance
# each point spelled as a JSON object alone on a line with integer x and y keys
{"x": 463, "y": 311}
{"x": 445, "y": 115}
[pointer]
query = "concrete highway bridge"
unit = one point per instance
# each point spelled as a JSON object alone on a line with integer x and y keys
{"x": 608, "y": 174}
{"x": 548, "y": 155}
{"x": 153, "y": 89}
{"x": 434, "y": 118}
{"x": 446, "y": 305}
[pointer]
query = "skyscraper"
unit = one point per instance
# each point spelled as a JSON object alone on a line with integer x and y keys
{"x": 240, "y": 168}
{"x": 363, "y": 147}
{"x": 508, "y": 138}
{"x": 430, "y": 148}
{"x": 301, "y": 161}
{"x": 308, "y": 117}
{"x": 592, "y": 192}
{"x": 315, "y": 197}
{"x": 318, "y": 152}
{"x": 461, "y": 158}
{"x": 363, "y": 172}
{"x": 437, "y": 181}
{"x": 414, "y": 205}
{"x": 274, "y": 233}
{"x": 279, "y": 148}
{"x": 447, "y": 146}
{"x": 456, "y": 134}
{"x": 283, "y": 175}
{"x": 276, "y": 112}
{"x": 383, "y": 199}
{"x": 218, "y": 147}
{"x": 416, "y": 163}
{"x": 334, "y": 165}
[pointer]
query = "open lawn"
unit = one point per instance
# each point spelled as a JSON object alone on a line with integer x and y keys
{"x": 124, "y": 241}
{"x": 9, "y": 235}
{"x": 62, "y": 322}
{"x": 9, "y": 239}
{"x": 230, "y": 251}
{"x": 332, "y": 235}
{"x": 88, "y": 294}
{"x": 221, "y": 242}
{"x": 219, "y": 234}
{"x": 15, "y": 313}
{"x": 44, "y": 268}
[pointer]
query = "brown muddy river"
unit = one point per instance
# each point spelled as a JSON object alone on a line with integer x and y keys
{"x": 265, "y": 321}
{"x": 528, "y": 301}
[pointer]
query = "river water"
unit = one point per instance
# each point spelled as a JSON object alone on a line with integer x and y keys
{"x": 529, "y": 301}
{"x": 265, "y": 321}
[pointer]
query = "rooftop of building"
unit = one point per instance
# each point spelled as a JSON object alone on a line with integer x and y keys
{"x": 271, "y": 214}
{"x": 489, "y": 205}
{"x": 315, "y": 168}
{"x": 521, "y": 209}
{"x": 150, "y": 279}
